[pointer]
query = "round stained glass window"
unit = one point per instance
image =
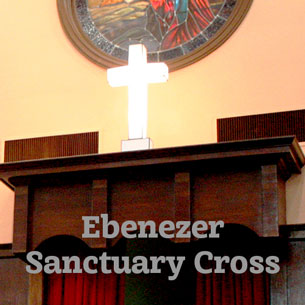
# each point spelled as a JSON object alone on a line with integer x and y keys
{"x": 178, "y": 32}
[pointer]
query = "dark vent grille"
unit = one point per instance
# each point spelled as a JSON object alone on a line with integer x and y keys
{"x": 51, "y": 147}
{"x": 262, "y": 126}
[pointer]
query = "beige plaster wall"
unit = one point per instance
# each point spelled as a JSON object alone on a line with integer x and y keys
{"x": 47, "y": 87}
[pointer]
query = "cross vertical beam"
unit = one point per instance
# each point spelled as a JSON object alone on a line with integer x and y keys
{"x": 137, "y": 75}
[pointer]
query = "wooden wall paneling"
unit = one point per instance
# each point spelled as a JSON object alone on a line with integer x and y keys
{"x": 57, "y": 207}
{"x": 228, "y": 183}
{"x": 141, "y": 195}
{"x": 296, "y": 273}
{"x": 278, "y": 286}
{"x": 231, "y": 195}
{"x": 182, "y": 200}
{"x": 14, "y": 282}
{"x": 21, "y": 219}
{"x": 288, "y": 286}
{"x": 270, "y": 196}
{"x": 99, "y": 206}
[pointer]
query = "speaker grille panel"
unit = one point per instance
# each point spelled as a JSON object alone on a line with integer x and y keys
{"x": 262, "y": 126}
{"x": 51, "y": 147}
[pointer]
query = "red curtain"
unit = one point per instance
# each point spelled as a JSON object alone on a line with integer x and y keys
{"x": 232, "y": 289}
{"x": 84, "y": 289}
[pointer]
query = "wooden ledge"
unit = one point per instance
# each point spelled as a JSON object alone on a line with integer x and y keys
{"x": 285, "y": 150}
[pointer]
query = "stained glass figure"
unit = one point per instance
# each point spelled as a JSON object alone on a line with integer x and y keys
{"x": 171, "y": 30}
{"x": 158, "y": 24}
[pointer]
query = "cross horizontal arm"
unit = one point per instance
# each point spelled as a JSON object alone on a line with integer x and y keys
{"x": 156, "y": 73}
{"x": 118, "y": 77}
{"x": 148, "y": 73}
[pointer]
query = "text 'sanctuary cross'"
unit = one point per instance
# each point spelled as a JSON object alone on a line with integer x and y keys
{"x": 137, "y": 75}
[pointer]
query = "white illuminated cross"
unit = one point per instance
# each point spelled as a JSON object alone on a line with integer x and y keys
{"x": 137, "y": 75}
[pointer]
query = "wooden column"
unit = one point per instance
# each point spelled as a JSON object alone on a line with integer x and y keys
{"x": 270, "y": 209}
{"x": 35, "y": 296}
{"x": 278, "y": 286}
{"x": 14, "y": 282}
{"x": 182, "y": 200}
{"x": 296, "y": 268}
{"x": 20, "y": 219}
{"x": 288, "y": 286}
{"x": 99, "y": 206}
